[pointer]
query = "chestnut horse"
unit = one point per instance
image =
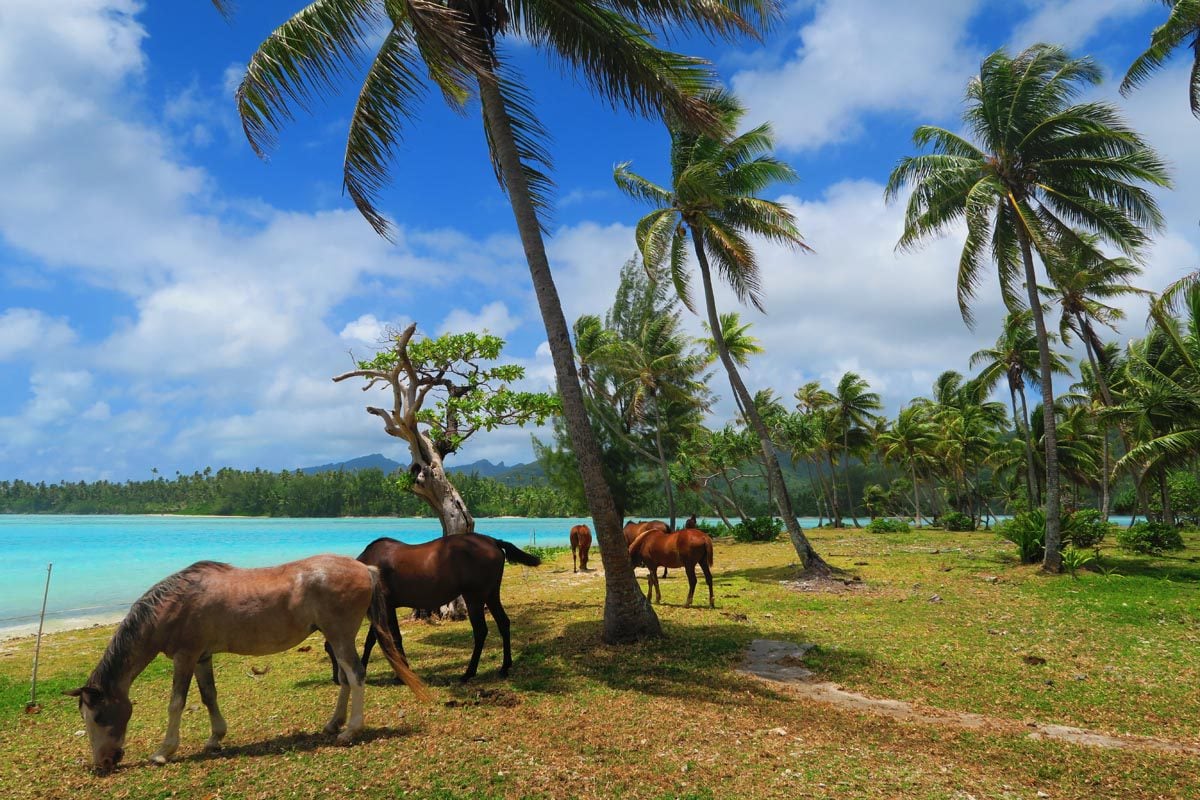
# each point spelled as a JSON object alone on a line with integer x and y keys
{"x": 634, "y": 529}
{"x": 581, "y": 542}
{"x": 429, "y": 575}
{"x": 212, "y": 608}
{"x": 684, "y": 548}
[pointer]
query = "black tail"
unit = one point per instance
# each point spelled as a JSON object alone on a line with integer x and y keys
{"x": 515, "y": 555}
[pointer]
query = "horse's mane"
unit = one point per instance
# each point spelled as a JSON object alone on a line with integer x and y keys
{"x": 144, "y": 611}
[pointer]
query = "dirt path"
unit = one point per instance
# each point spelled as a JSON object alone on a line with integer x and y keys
{"x": 783, "y": 663}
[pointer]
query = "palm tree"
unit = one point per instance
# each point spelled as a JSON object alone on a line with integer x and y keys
{"x": 713, "y": 199}
{"x": 1182, "y": 28}
{"x": 1015, "y": 358}
{"x": 1038, "y": 166}
{"x": 457, "y": 46}
{"x": 853, "y": 404}
{"x": 657, "y": 369}
{"x": 910, "y": 441}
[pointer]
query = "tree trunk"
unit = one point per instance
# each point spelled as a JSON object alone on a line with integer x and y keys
{"x": 818, "y": 494}
{"x": 733, "y": 498}
{"x": 809, "y": 558}
{"x": 1053, "y": 559}
{"x": 846, "y": 471}
{"x": 1168, "y": 515}
{"x": 432, "y": 485}
{"x": 835, "y": 511}
{"x": 912, "y": 466}
{"x": 1023, "y": 432}
{"x": 628, "y": 615}
{"x": 1036, "y": 497}
{"x": 662, "y": 459}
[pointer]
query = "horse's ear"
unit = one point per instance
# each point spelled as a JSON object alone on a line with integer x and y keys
{"x": 89, "y": 694}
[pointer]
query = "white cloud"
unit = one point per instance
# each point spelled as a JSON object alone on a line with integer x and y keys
{"x": 1072, "y": 23}
{"x": 858, "y": 58}
{"x": 30, "y": 333}
{"x": 493, "y": 318}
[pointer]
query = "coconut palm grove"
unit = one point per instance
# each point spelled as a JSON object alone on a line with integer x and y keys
{"x": 856, "y": 343}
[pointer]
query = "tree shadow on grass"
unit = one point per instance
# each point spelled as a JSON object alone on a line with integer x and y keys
{"x": 1174, "y": 568}
{"x": 298, "y": 742}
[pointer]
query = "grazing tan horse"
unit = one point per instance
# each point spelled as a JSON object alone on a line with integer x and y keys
{"x": 429, "y": 575}
{"x": 684, "y": 548}
{"x": 634, "y": 529}
{"x": 581, "y": 542}
{"x": 212, "y": 608}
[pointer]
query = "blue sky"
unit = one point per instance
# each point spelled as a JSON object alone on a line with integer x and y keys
{"x": 169, "y": 300}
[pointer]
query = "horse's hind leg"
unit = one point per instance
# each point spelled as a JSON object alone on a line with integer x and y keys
{"x": 502, "y": 623}
{"x": 353, "y": 675}
{"x": 690, "y": 569}
{"x": 479, "y": 629}
{"x": 333, "y": 662}
{"x": 708, "y": 580}
{"x": 208, "y": 693}
{"x": 182, "y": 680}
{"x": 574, "y": 564}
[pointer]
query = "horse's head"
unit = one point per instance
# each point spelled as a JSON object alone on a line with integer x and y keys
{"x": 105, "y": 716}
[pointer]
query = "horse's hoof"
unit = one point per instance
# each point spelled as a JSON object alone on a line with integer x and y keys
{"x": 158, "y": 760}
{"x": 331, "y": 727}
{"x": 346, "y": 737}
{"x": 503, "y": 673}
{"x": 213, "y": 747}
{"x": 466, "y": 678}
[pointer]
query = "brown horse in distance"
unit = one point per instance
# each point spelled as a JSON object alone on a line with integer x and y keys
{"x": 212, "y": 608}
{"x": 429, "y": 575}
{"x": 581, "y": 542}
{"x": 684, "y": 548}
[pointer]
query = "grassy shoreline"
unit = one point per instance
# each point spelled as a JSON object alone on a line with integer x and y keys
{"x": 672, "y": 718}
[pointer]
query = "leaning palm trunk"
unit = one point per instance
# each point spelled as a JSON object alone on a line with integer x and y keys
{"x": 916, "y": 492}
{"x": 628, "y": 615}
{"x": 846, "y": 468}
{"x": 809, "y": 558}
{"x": 1035, "y": 497}
{"x": 1024, "y": 434}
{"x": 662, "y": 460}
{"x": 1053, "y": 558}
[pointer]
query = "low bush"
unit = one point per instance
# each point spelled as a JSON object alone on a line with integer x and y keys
{"x": 1028, "y": 532}
{"x": 714, "y": 529}
{"x": 956, "y": 521}
{"x": 885, "y": 525}
{"x": 1085, "y": 528}
{"x": 1150, "y": 537}
{"x": 758, "y": 529}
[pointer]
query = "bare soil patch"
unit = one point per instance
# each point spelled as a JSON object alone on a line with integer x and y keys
{"x": 783, "y": 662}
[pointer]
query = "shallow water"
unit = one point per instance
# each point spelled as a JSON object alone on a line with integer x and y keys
{"x": 103, "y": 563}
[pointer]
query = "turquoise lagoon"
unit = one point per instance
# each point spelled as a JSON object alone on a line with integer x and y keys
{"x": 103, "y": 563}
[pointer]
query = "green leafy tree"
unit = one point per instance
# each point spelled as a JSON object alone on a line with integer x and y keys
{"x": 714, "y": 200}
{"x": 1036, "y": 167}
{"x": 911, "y": 441}
{"x": 442, "y": 392}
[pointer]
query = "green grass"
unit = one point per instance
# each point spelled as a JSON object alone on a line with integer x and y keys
{"x": 672, "y": 718}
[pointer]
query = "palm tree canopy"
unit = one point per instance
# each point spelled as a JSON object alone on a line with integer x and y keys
{"x": 452, "y": 46}
{"x": 1183, "y": 23}
{"x": 715, "y": 183}
{"x": 1034, "y": 167}
{"x": 738, "y": 341}
{"x": 1081, "y": 280}
{"x": 1015, "y": 355}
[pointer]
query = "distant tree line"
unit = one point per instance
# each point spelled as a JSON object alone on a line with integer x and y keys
{"x": 261, "y": 493}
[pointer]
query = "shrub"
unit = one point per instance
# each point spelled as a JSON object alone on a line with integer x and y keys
{"x": 1085, "y": 528}
{"x": 1150, "y": 537}
{"x": 714, "y": 529}
{"x": 1028, "y": 532}
{"x": 957, "y": 521}
{"x": 545, "y": 553}
{"x": 758, "y": 529}
{"x": 885, "y": 525}
{"x": 1073, "y": 558}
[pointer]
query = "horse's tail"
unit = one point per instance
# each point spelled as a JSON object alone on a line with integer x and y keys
{"x": 635, "y": 545}
{"x": 515, "y": 555}
{"x": 708, "y": 549}
{"x": 378, "y": 612}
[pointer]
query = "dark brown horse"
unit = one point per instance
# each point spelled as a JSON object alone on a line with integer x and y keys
{"x": 581, "y": 542}
{"x": 429, "y": 575}
{"x": 684, "y": 548}
{"x": 215, "y": 608}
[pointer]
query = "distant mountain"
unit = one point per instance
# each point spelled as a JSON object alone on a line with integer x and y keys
{"x": 512, "y": 475}
{"x": 373, "y": 461}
